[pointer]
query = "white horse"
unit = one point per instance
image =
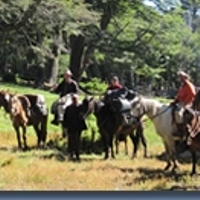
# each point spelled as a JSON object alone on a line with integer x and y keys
{"x": 161, "y": 116}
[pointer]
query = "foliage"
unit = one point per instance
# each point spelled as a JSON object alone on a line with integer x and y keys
{"x": 94, "y": 85}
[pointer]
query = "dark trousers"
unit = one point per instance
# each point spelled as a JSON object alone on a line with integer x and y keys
{"x": 74, "y": 141}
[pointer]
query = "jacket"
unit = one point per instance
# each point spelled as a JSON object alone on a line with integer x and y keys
{"x": 186, "y": 93}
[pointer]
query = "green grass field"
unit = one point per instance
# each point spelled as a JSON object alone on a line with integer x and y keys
{"x": 51, "y": 170}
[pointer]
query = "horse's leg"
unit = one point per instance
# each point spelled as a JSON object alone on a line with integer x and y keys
{"x": 44, "y": 129}
{"x": 143, "y": 140}
{"x": 104, "y": 138}
{"x": 194, "y": 160}
{"x": 111, "y": 145}
{"x": 24, "y": 137}
{"x": 173, "y": 158}
{"x": 135, "y": 142}
{"x": 117, "y": 145}
{"x": 126, "y": 145}
{"x": 18, "y": 136}
{"x": 167, "y": 156}
{"x": 38, "y": 133}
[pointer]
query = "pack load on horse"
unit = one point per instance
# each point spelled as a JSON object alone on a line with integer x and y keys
{"x": 67, "y": 87}
{"x": 26, "y": 110}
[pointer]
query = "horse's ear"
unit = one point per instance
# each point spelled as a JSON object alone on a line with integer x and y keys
{"x": 91, "y": 98}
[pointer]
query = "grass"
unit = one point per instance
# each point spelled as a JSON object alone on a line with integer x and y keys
{"x": 51, "y": 170}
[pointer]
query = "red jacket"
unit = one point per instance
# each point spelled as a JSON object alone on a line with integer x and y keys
{"x": 186, "y": 93}
{"x": 113, "y": 87}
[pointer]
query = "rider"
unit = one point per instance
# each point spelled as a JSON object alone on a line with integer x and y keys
{"x": 67, "y": 86}
{"x": 184, "y": 97}
{"x": 186, "y": 92}
{"x": 114, "y": 84}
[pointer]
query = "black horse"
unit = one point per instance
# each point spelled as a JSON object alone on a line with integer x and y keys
{"x": 112, "y": 123}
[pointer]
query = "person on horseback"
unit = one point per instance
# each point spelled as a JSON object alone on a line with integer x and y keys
{"x": 184, "y": 98}
{"x": 114, "y": 84}
{"x": 67, "y": 86}
{"x": 186, "y": 92}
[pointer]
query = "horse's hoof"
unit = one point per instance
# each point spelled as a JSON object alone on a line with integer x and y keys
{"x": 133, "y": 156}
{"x": 105, "y": 158}
{"x": 193, "y": 174}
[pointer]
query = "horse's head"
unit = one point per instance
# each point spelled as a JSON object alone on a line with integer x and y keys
{"x": 86, "y": 107}
{"x": 5, "y": 97}
{"x": 137, "y": 107}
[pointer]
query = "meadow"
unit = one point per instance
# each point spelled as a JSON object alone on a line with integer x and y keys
{"x": 50, "y": 169}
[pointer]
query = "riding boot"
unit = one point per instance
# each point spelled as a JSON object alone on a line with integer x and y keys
{"x": 55, "y": 120}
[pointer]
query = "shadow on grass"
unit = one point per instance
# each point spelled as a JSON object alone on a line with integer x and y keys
{"x": 157, "y": 174}
{"x": 183, "y": 158}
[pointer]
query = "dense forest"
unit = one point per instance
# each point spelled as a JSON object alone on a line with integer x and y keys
{"x": 144, "y": 42}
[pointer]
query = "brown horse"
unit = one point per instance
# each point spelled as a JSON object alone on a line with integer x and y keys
{"x": 135, "y": 133}
{"x": 191, "y": 120}
{"x": 26, "y": 110}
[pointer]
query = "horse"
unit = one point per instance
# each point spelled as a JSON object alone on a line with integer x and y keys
{"x": 26, "y": 110}
{"x": 135, "y": 134}
{"x": 161, "y": 116}
{"x": 111, "y": 124}
{"x": 191, "y": 139}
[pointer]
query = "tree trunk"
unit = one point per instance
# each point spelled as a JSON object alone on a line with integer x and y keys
{"x": 54, "y": 62}
{"x": 77, "y": 48}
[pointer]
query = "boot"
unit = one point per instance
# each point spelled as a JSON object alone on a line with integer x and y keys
{"x": 55, "y": 120}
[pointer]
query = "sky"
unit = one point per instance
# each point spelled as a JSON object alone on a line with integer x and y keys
{"x": 149, "y": 3}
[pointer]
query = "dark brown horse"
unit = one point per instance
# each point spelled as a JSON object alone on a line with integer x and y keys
{"x": 112, "y": 124}
{"x": 26, "y": 110}
{"x": 191, "y": 120}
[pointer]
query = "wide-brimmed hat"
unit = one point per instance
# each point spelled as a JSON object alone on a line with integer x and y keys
{"x": 183, "y": 74}
{"x": 68, "y": 72}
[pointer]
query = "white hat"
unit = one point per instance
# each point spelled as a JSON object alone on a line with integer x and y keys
{"x": 183, "y": 74}
{"x": 68, "y": 72}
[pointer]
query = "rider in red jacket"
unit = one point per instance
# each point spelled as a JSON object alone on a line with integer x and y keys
{"x": 114, "y": 84}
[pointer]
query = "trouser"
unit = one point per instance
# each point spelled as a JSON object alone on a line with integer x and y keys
{"x": 74, "y": 141}
{"x": 57, "y": 110}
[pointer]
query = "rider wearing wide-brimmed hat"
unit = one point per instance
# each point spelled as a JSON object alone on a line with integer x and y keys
{"x": 187, "y": 91}
{"x": 67, "y": 86}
